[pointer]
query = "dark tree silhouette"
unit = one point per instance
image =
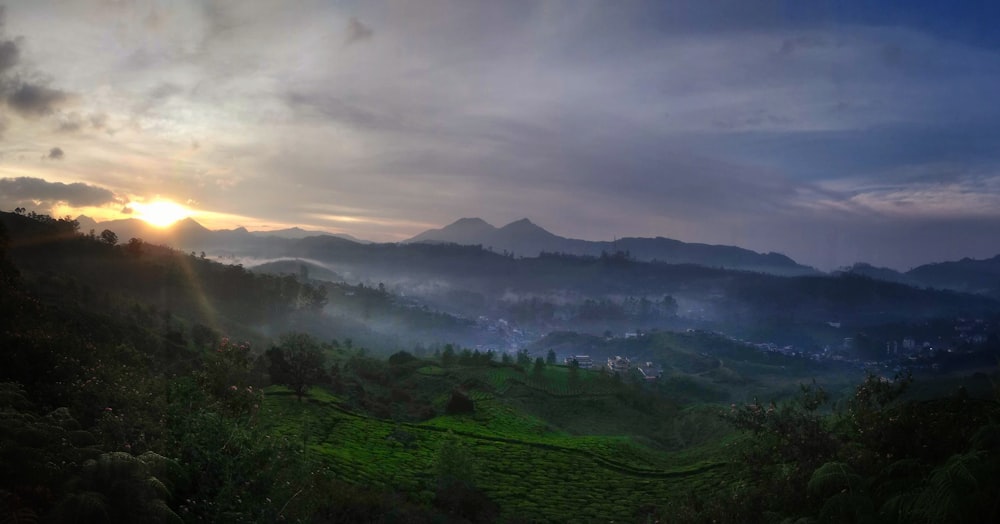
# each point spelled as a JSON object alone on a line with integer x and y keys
{"x": 297, "y": 363}
{"x": 109, "y": 237}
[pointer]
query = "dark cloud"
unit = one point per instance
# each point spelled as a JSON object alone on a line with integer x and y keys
{"x": 27, "y": 98}
{"x": 32, "y": 100}
{"x": 56, "y": 153}
{"x": 78, "y": 194}
{"x": 357, "y": 32}
{"x": 9, "y": 54}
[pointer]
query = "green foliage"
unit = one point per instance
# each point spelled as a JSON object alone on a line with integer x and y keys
{"x": 454, "y": 464}
{"x": 459, "y": 403}
{"x": 297, "y": 362}
{"x": 792, "y": 432}
{"x": 448, "y": 357}
{"x": 866, "y": 408}
{"x": 539, "y": 367}
{"x": 960, "y": 490}
{"x": 120, "y": 400}
{"x": 121, "y": 488}
{"x": 832, "y": 478}
{"x": 527, "y": 470}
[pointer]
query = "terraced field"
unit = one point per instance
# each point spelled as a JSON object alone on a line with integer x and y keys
{"x": 529, "y": 469}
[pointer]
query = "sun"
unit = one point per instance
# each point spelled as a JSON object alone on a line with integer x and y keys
{"x": 160, "y": 213}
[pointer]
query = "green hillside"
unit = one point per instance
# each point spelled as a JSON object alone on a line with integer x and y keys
{"x": 122, "y": 400}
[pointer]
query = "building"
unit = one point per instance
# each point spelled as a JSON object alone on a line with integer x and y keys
{"x": 650, "y": 371}
{"x": 582, "y": 361}
{"x": 618, "y": 364}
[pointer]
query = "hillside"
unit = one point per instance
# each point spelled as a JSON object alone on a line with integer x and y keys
{"x": 121, "y": 401}
{"x": 478, "y": 281}
{"x": 966, "y": 275}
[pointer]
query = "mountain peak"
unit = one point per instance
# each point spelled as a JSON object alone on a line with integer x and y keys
{"x": 86, "y": 222}
{"x": 189, "y": 224}
{"x": 523, "y": 224}
{"x": 461, "y": 231}
{"x": 525, "y": 227}
{"x": 469, "y": 222}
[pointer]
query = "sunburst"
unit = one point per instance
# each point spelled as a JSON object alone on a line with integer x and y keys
{"x": 160, "y": 213}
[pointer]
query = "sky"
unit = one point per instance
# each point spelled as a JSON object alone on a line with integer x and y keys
{"x": 833, "y": 132}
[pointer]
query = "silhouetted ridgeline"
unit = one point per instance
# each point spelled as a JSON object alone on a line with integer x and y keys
{"x": 526, "y": 239}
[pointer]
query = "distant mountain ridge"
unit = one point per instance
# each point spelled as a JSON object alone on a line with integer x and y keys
{"x": 470, "y": 281}
{"x": 981, "y": 277}
{"x": 188, "y": 232}
{"x": 523, "y": 237}
{"x": 966, "y": 275}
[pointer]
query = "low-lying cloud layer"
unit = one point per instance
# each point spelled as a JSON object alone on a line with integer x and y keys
{"x": 832, "y": 134}
{"x": 17, "y": 192}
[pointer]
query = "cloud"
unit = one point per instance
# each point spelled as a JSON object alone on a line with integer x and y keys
{"x": 165, "y": 90}
{"x": 10, "y": 54}
{"x": 70, "y": 123}
{"x": 32, "y": 100}
{"x": 78, "y": 194}
{"x": 357, "y": 32}
{"x": 98, "y": 120}
{"x": 28, "y": 99}
{"x": 56, "y": 153}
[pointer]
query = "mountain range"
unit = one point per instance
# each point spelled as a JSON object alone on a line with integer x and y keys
{"x": 473, "y": 281}
{"x": 981, "y": 277}
{"x": 525, "y": 238}
{"x": 188, "y": 233}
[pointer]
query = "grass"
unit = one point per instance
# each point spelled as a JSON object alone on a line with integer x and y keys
{"x": 528, "y": 468}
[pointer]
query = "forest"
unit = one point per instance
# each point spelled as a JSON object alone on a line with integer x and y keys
{"x": 139, "y": 383}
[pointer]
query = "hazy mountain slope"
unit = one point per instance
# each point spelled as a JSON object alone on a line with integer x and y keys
{"x": 524, "y": 238}
{"x": 299, "y": 233}
{"x": 966, "y": 275}
{"x": 719, "y": 294}
{"x": 465, "y": 231}
{"x": 878, "y": 273}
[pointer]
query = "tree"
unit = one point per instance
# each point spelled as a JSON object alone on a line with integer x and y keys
{"x": 134, "y": 246}
{"x": 448, "y": 357}
{"x": 539, "y": 366}
{"x": 574, "y": 373}
{"x": 550, "y": 358}
{"x": 457, "y": 492}
{"x": 668, "y": 306}
{"x": 109, "y": 237}
{"x": 297, "y": 363}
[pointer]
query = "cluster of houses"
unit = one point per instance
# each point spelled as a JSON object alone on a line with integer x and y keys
{"x": 618, "y": 365}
